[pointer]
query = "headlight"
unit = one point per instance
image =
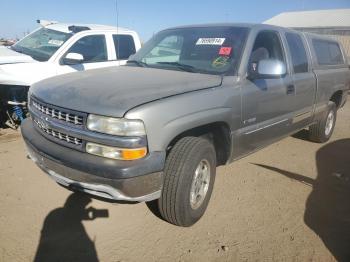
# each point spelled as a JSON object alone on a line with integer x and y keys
{"x": 115, "y": 152}
{"x": 116, "y": 126}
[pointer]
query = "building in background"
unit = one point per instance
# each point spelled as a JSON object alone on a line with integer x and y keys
{"x": 334, "y": 23}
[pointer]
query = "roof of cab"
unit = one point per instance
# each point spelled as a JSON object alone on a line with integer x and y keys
{"x": 63, "y": 27}
{"x": 248, "y": 25}
{"x": 251, "y": 25}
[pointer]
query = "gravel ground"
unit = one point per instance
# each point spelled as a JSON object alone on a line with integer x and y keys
{"x": 287, "y": 202}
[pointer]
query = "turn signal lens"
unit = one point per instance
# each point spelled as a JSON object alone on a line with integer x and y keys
{"x": 134, "y": 154}
{"x": 115, "y": 152}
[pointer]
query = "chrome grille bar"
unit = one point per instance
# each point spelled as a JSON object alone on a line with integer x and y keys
{"x": 59, "y": 135}
{"x": 61, "y": 115}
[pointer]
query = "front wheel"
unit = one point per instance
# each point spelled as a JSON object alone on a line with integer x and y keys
{"x": 189, "y": 177}
{"x": 322, "y": 130}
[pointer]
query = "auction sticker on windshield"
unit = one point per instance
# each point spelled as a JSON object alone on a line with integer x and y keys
{"x": 210, "y": 41}
{"x": 55, "y": 42}
{"x": 225, "y": 50}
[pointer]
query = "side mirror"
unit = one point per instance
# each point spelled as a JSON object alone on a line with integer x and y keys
{"x": 267, "y": 68}
{"x": 73, "y": 59}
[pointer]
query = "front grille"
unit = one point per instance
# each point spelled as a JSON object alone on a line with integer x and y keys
{"x": 58, "y": 114}
{"x": 58, "y": 135}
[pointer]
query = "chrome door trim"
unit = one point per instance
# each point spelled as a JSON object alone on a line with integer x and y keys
{"x": 263, "y": 127}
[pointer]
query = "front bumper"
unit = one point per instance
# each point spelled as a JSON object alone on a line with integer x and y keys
{"x": 139, "y": 180}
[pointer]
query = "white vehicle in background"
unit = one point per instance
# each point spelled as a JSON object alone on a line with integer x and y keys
{"x": 56, "y": 49}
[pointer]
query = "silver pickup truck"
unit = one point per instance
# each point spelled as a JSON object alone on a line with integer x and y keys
{"x": 191, "y": 99}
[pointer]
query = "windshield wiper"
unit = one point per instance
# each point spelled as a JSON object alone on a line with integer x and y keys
{"x": 184, "y": 67}
{"x": 139, "y": 63}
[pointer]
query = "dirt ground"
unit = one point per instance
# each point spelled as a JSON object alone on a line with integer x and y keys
{"x": 288, "y": 202}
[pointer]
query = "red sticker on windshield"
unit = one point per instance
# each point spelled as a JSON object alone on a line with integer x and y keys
{"x": 225, "y": 50}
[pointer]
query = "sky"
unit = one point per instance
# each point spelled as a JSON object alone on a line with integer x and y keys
{"x": 147, "y": 16}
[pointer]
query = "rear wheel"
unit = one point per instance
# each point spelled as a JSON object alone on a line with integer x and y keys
{"x": 189, "y": 177}
{"x": 322, "y": 130}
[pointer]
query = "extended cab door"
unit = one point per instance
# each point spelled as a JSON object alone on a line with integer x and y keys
{"x": 120, "y": 47}
{"x": 124, "y": 47}
{"x": 94, "y": 50}
{"x": 267, "y": 103}
{"x": 304, "y": 80}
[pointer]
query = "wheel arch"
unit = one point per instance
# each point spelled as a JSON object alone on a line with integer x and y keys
{"x": 337, "y": 98}
{"x": 219, "y": 133}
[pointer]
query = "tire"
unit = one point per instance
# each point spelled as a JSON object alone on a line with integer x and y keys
{"x": 177, "y": 205}
{"x": 322, "y": 130}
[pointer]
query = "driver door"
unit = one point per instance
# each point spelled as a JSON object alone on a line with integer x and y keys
{"x": 266, "y": 103}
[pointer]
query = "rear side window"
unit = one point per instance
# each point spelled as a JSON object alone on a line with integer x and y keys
{"x": 298, "y": 52}
{"x": 124, "y": 46}
{"x": 327, "y": 52}
{"x": 92, "y": 47}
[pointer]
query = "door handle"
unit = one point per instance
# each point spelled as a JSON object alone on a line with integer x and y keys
{"x": 290, "y": 89}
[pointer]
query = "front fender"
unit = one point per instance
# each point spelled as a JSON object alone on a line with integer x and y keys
{"x": 167, "y": 118}
{"x": 195, "y": 119}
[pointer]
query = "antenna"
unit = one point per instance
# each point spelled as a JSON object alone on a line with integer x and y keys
{"x": 117, "y": 20}
{"x": 116, "y": 12}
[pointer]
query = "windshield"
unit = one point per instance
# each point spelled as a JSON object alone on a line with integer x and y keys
{"x": 211, "y": 50}
{"x": 41, "y": 44}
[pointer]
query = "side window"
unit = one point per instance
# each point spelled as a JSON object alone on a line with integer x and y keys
{"x": 335, "y": 54}
{"x": 92, "y": 47}
{"x": 124, "y": 46}
{"x": 267, "y": 45}
{"x": 327, "y": 52}
{"x": 298, "y": 52}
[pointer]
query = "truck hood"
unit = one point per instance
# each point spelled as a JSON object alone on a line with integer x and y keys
{"x": 8, "y": 56}
{"x": 113, "y": 91}
{"x": 25, "y": 73}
